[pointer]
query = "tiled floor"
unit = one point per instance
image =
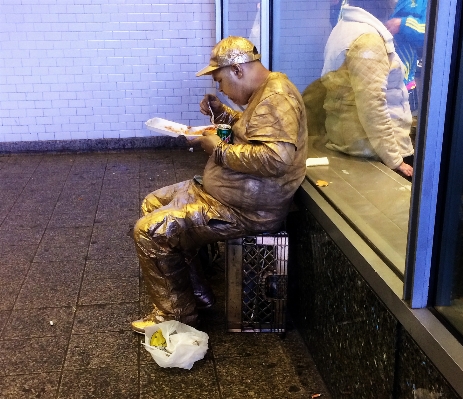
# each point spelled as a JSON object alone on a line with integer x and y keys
{"x": 70, "y": 284}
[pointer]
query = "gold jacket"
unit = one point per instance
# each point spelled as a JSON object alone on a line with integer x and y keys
{"x": 258, "y": 174}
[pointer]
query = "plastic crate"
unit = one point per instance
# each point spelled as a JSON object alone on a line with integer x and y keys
{"x": 257, "y": 280}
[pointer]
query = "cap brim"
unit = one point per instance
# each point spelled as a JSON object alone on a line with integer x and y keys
{"x": 207, "y": 70}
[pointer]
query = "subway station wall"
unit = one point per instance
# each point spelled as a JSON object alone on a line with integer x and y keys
{"x": 301, "y": 29}
{"x": 98, "y": 69}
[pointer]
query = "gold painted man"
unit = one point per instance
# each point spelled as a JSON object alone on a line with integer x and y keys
{"x": 247, "y": 186}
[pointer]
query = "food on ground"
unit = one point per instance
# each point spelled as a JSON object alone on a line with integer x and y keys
{"x": 157, "y": 339}
{"x": 321, "y": 183}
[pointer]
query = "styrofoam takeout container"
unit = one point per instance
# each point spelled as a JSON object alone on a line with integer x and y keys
{"x": 174, "y": 129}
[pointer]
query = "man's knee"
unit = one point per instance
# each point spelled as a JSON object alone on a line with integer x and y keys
{"x": 150, "y": 203}
{"x": 153, "y": 232}
{"x": 139, "y": 232}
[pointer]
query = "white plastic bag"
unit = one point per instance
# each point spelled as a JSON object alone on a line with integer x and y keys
{"x": 184, "y": 344}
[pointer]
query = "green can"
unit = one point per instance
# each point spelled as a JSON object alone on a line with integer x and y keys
{"x": 225, "y": 133}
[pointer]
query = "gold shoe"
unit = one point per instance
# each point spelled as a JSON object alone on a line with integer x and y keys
{"x": 153, "y": 318}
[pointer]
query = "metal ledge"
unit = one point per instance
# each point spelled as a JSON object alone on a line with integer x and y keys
{"x": 439, "y": 345}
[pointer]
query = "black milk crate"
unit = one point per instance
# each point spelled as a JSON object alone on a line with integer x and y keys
{"x": 257, "y": 280}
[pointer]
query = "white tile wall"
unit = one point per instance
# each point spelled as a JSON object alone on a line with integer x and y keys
{"x": 301, "y": 32}
{"x": 86, "y": 69}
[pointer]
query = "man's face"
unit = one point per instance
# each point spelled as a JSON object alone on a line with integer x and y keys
{"x": 231, "y": 84}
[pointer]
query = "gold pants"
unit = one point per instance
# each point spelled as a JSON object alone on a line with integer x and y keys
{"x": 177, "y": 221}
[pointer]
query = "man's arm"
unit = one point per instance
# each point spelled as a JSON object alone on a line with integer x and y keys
{"x": 261, "y": 159}
{"x": 221, "y": 112}
{"x": 409, "y": 23}
{"x": 368, "y": 65}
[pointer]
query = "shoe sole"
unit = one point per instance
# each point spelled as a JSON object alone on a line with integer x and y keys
{"x": 138, "y": 330}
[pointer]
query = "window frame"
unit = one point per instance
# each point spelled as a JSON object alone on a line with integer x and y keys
{"x": 222, "y": 26}
{"x": 440, "y": 29}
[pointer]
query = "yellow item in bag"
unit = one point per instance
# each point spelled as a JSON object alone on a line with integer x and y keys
{"x": 157, "y": 339}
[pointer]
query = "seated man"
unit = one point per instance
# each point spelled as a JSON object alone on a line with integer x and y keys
{"x": 246, "y": 189}
{"x": 367, "y": 109}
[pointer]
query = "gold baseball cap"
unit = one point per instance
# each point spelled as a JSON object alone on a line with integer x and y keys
{"x": 229, "y": 51}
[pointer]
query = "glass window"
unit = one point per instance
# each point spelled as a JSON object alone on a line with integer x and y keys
{"x": 356, "y": 62}
{"x": 449, "y": 292}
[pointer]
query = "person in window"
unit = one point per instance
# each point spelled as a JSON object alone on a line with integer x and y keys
{"x": 366, "y": 103}
{"x": 246, "y": 188}
{"x": 407, "y": 24}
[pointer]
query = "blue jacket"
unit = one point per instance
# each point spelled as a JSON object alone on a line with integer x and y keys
{"x": 409, "y": 41}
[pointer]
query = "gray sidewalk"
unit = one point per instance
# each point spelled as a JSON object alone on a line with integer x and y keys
{"x": 70, "y": 285}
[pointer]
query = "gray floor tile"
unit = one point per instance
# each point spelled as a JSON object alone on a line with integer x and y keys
{"x": 108, "y": 215}
{"x": 14, "y": 264}
{"x": 31, "y": 206}
{"x": 102, "y": 250}
{"x": 51, "y": 284}
{"x": 42, "y": 385}
{"x": 110, "y": 203}
{"x": 71, "y": 209}
{"x": 109, "y": 291}
{"x": 271, "y": 377}
{"x": 41, "y": 190}
{"x": 17, "y": 252}
{"x": 4, "y": 315}
{"x": 20, "y": 236}
{"x": 126, "y": 184}
{"x": 9, "y": 290}
{"x": 97, "y": 350}
{"x": 227, "y": 345}
{"x": 59, "y": 237}
{"x": 111, "y": 240}
{"x": 83, "y": 219}
{"x": 26, "y": 220}
{"x": 14, "y": 184}
{"x": 105, "y": 317}
{"x": 34, "y": 355}
{"x": 114, "y": 267}
{"x": 49, "y": 252}
{"x": 84, "y": 186}
{"x": 57, "y": 270}
{"x": 128, "y": 219}
{"x": 44, "y": 322}
{"x": 100, "y": 383}
{"x": 178, "y": 383}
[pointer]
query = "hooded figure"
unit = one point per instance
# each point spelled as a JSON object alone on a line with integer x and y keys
{"x": 366, "y": 104}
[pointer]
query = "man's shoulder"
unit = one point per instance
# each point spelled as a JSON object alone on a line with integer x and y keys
{"x": 279, "y": 84}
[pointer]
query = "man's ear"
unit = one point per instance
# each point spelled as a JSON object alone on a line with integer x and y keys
{"x": 237, "y": 70}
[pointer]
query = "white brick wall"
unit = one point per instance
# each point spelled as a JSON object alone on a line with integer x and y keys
{"x": 85, "y": 69}
{"x": 302, "y": 31}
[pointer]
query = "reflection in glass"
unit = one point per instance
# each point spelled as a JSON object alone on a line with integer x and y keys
{"x": 242, "y": 18}
{"x": 337, "y": 80}
{"x": 450, "y": 281}
{"x": 246, "y": 22}
{"x": 408, "y": 25}
{"x": 367, "y": 109}
{"x": 449, "y": 292}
